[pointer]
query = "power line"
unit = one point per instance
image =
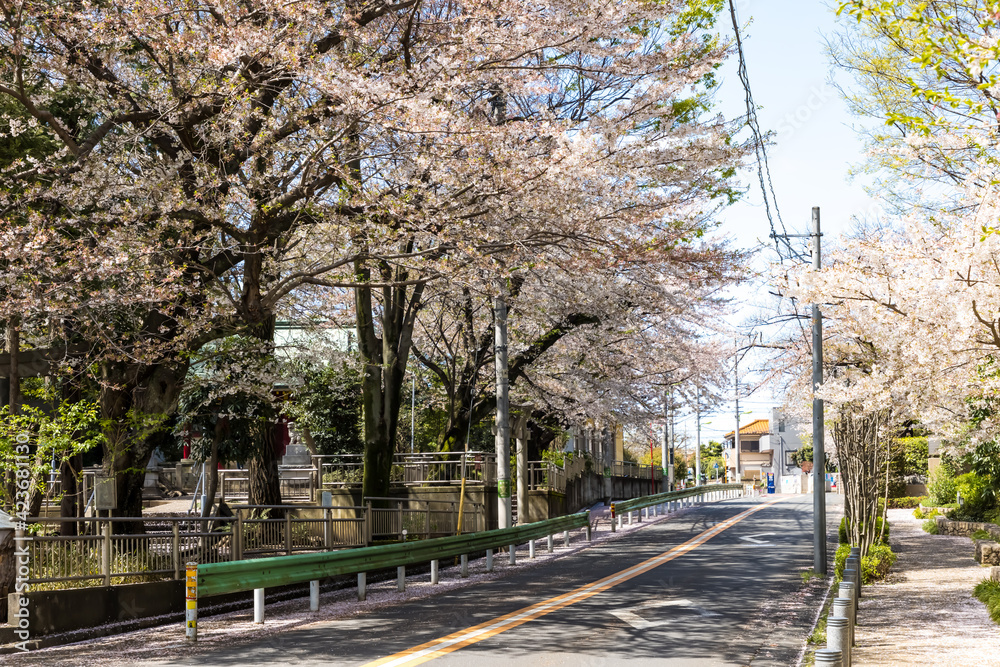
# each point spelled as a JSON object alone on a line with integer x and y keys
{"x": 760, "y": 151}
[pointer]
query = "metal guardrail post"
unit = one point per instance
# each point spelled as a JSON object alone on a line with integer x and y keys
{"x": 258, "y": 606}
{"x": 314, "y": 595}
{"x": 512, "y": 557}
{"x": 175, "y": 550}
{"x": 531, "y": 548}
{"x": 191, "y": 602}
{"x": 550, "y": 546}
{"x": 362, "y": 586}
{"x": 435, "y": 578}
{"x": 590, "y": 537}
{"x": 106, "y": 553}
{"x": 401, "y": 578}
{"x": 489, "y": 560}
{"x": 465, "y": 565}
{"x": 566, "y": 538}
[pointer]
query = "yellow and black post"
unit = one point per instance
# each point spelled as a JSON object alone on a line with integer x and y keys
{"x": 191, "y": 613}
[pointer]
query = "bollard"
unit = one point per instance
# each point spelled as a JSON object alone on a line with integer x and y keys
{"x": 630, "y": 517}
{"x": 258, "y": 606}
{"x": 551, "y": 546}
{"x": 362, "y": 586}
{"x": 434, "y": 571}
{"x": 851, "y": 577}
{"x": 612, "y": 525}
{"x": 843, "y": 607}
{"x": 401, "y": 578}
{"x": 847, "y": 591}
{"x": 566, "y": 538}
{"x": 512, "y": 558}
{"x": 314, "y": 595}
{"x": 191, "y": 613}
{"x": 465, "y": 566}
{"x": 838, "y": 632}
{"x": 826, "y": 657}
{"x": 852, "y": 573}
{"x": 489, "y": 560}
{"x": 531, "y": 549}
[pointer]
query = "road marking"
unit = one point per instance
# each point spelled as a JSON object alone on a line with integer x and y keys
{"x": 751, "y": 538}
{"x": 632, "y": 617}
{"x": 477, "y": 633}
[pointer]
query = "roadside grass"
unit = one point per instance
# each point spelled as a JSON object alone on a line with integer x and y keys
{"x": 988, "y": 592}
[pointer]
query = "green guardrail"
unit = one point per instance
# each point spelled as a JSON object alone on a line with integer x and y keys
{"x": 232, "y": 577}
{"x": 621, "y": 507}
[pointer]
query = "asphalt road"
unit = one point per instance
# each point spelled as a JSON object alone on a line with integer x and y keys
{"x": 729, "y": 596}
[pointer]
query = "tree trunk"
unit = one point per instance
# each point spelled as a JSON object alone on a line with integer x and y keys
{"x": 136, "y": 402}
{"x": 8, "y": 572}
{"x": 385, "y": 360}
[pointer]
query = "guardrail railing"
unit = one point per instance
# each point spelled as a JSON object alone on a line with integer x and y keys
{"x": 257, "y": 575}
{"x": 653, "y": 504}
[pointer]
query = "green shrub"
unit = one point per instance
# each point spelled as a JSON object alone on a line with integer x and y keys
{"x": 844, "y": 538}
{"x": 906, "y": 502}
{"x": 981, "y": 535}
{"x": 919, "y": 514}
{"x": 977, "y": 499}
{"x": 875, "y": 565}
{"x": 988, "y": 592}
{"x": 941, "y": 489}
{"x": 930, "y": 526}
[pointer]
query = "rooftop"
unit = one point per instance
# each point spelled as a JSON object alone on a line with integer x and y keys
{"x": 756, "y": 427}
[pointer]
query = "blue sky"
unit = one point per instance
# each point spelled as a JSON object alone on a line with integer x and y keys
{"x": 815, "y": 146}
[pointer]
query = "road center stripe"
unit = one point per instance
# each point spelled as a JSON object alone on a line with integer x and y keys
{"x": 477, "y": 633}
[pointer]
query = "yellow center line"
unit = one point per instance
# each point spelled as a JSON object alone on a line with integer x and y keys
{"x": 477, "y": 633}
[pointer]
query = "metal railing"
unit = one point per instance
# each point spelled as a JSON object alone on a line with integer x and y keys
{"x": 154, "y": 548}
{"x": 431, "y": 469}
{"x": 295, "y": 483}
{"x": 390, "y": 517}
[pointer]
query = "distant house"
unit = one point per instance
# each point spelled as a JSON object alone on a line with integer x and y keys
{"x": 752, "y": 461}
{"x": 767, "y": 446}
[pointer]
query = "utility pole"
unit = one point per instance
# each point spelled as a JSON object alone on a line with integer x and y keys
{"x": 736, "y": 434}
{"x": 502, "y": 414}
{"x": 819, "y": 458}
{"x": 668, "y": 431}
{"x": 413, "y": 405}
{"x": 697, "y": 452}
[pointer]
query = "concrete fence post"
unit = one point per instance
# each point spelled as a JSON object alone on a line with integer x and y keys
{"x": 258, "y": 606}
{"x": 191, "y": 600}
{"x": 847, "y": 591}
{"x": 435, "y": 577}
{"x": 175, "y": 550}
{"x": 465, "y": 565}
{"x": 314, "y": 595}
{"x": 401, "y": 578}
{"x": 838, "y": 633}
{"x": 843, "y": 607}
{"x": 826, "y": 657}
{"x": 106, "y": 553}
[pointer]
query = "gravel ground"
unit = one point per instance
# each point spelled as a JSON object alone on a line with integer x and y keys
{"x": 925, "y": 613}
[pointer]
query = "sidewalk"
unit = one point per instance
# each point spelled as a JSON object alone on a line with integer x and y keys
{"x": 925, "y": 613}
